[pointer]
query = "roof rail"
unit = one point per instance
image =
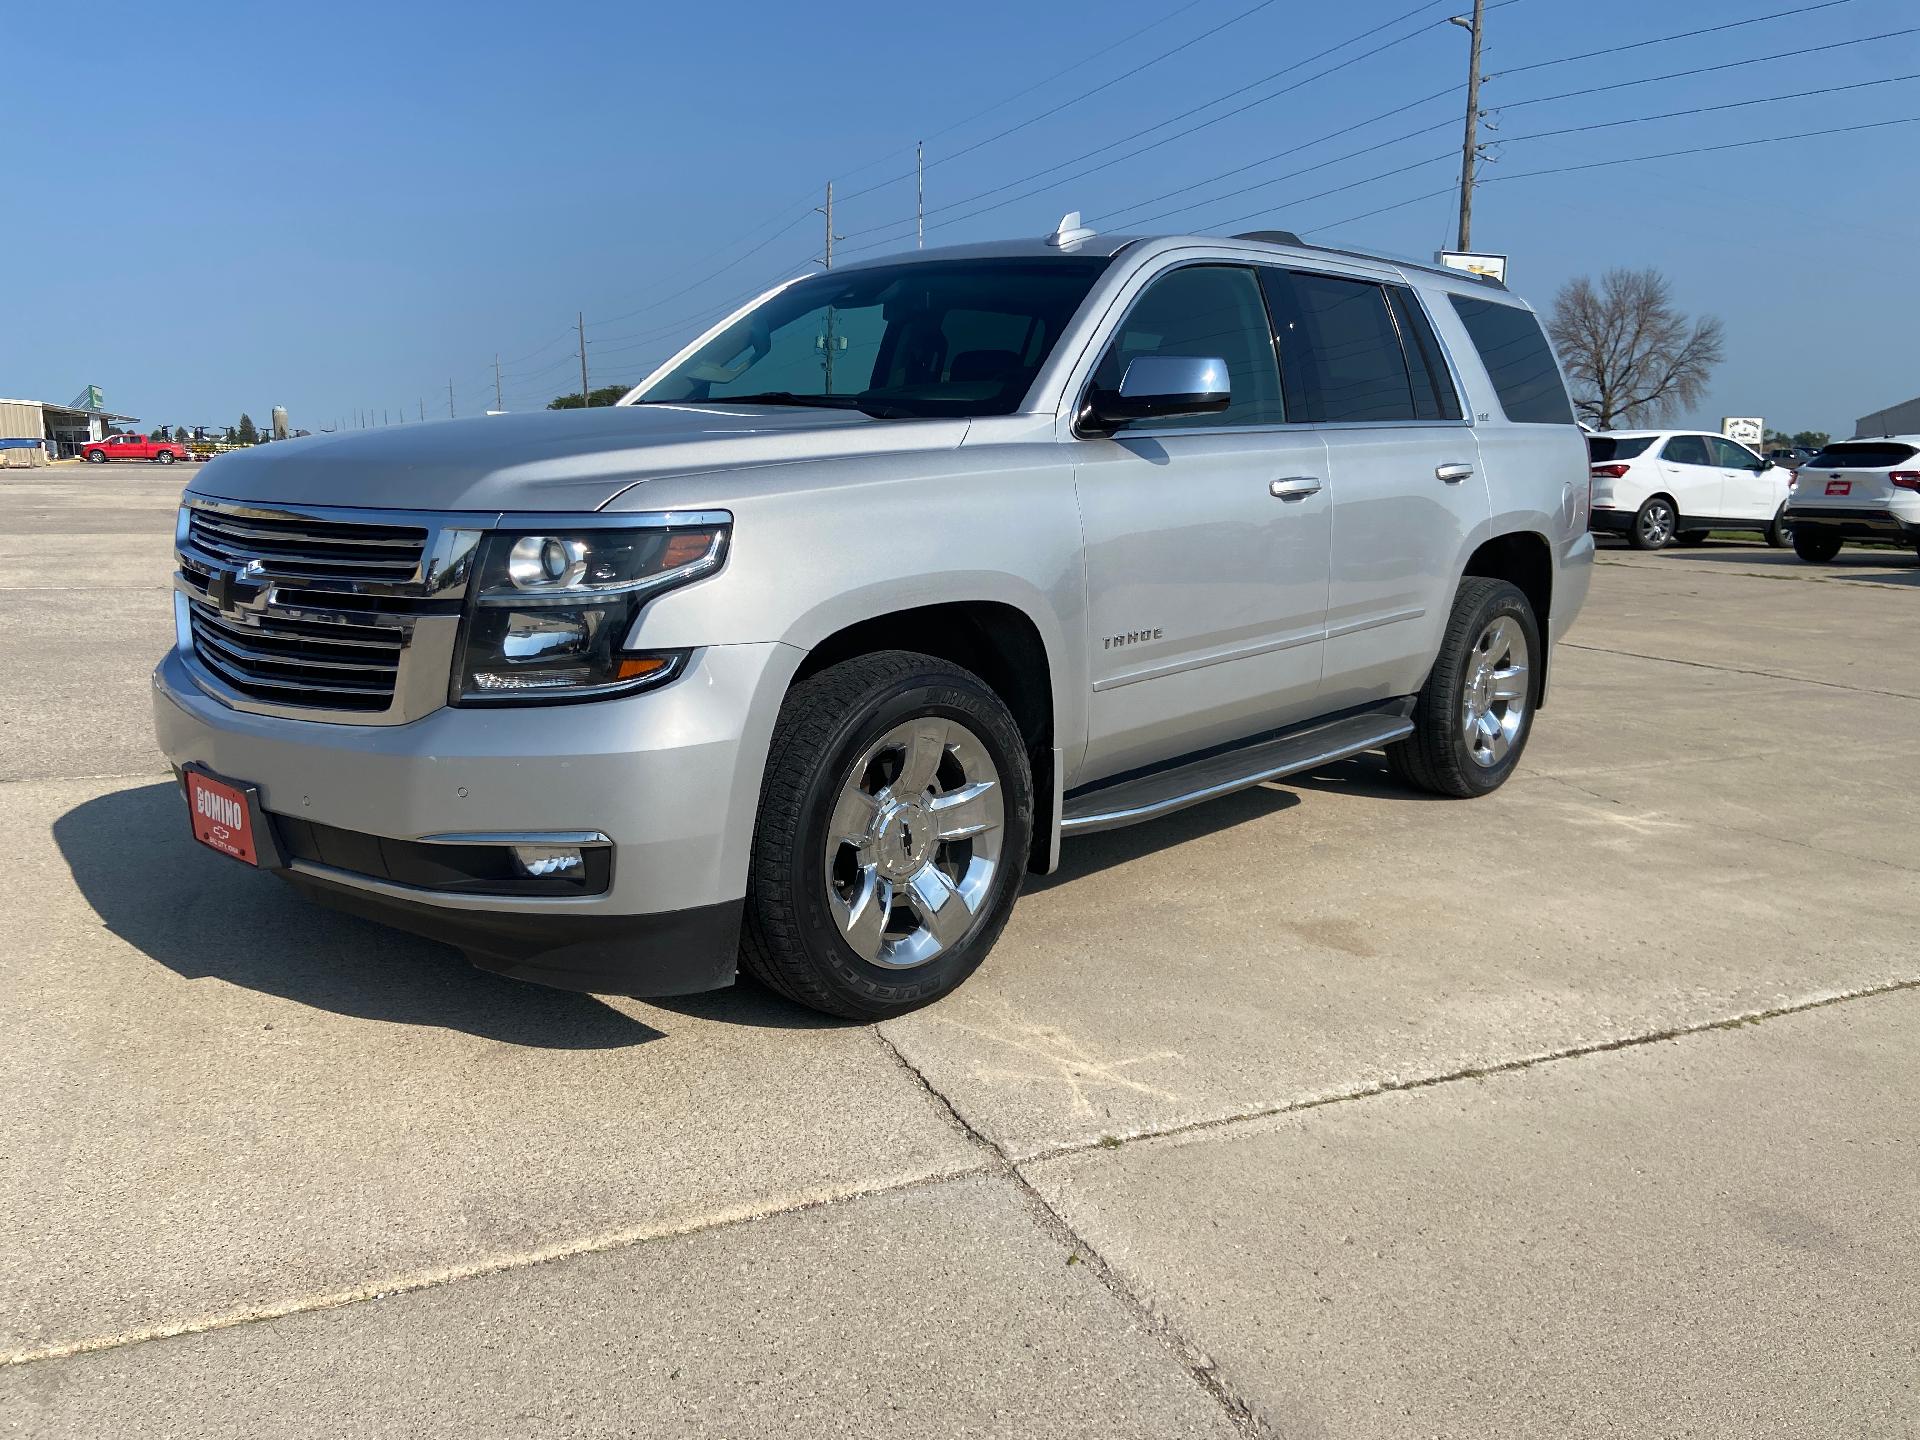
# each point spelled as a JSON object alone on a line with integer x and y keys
{"x": 1287, "y": 237}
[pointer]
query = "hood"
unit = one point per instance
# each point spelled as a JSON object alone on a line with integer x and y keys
{"x": 553, "y": 460}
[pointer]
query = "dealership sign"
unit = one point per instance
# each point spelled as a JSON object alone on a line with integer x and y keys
{"x": 1494, "y": 267}
{"x": 1744, "y": 429}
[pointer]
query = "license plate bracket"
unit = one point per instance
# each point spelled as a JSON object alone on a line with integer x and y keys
{"x": 227, "y": 817}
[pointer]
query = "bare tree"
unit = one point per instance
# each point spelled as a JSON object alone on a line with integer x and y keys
{"x": 1632, "y": 356}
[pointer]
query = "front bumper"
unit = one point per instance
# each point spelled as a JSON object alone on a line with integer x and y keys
{"x": 671, "y": 777}
{"x": 1856, "y": 522}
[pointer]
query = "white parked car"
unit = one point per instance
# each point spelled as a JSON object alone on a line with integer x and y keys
{"x": 1658, "y": 486}
{"x": 1858, "y": 490}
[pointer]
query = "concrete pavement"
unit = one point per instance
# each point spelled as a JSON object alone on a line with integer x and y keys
{"x": 383, "y": 1192}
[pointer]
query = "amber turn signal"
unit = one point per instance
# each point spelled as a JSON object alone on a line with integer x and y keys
{"x": 632, "y": 667}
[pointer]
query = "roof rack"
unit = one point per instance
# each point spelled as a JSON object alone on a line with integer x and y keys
{"x": 1287, "y": 237}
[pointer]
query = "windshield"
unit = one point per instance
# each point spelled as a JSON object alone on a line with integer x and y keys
{"x": 939, "y": 337}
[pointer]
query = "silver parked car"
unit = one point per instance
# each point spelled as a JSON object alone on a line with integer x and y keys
{"x": 804, "y": 655}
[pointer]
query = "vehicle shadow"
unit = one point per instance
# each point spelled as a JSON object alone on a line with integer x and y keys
{"x": 1090, "y": 854}
{"x": 206, "y": 917}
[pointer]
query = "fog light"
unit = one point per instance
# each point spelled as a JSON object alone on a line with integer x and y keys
{"x": 540, "y": 860}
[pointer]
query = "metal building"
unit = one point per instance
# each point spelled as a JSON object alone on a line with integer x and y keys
{"x": 1903, "y": 419}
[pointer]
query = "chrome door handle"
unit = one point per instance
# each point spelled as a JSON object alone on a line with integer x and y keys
{"x": 1453, "y": 474}
{"x": 1294, "y": 487}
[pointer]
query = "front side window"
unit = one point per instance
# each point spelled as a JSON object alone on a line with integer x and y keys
{"x": 1210, "y": 312}
{"x": 939, "y": 337}
{"x": 1341, "y": 348}
{"x": 1687, "y": 450}
{"x": 1518, "y": 360}
{"x": 1731, "y": 456}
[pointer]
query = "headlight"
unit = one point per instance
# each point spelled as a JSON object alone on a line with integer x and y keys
{"x": 552, "y": 608}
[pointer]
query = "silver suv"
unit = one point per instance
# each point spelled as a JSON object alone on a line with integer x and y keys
{"x": 804, "y": 655}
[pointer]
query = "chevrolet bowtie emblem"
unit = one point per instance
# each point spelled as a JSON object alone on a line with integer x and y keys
{"x": 220, "y": 591}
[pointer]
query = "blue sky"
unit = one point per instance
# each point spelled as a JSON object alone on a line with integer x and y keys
{"x": 219, "y": 208}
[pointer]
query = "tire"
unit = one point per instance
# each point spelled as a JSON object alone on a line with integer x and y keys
{"x": 166, "y": 457}
{"x": 1437, "y": 757}
{"x": 1815, "y": 543}
{"x": 96, "y": 457}
{"x": 1780, "y": 533}
{"x": 1693, "y": 539}
{"x": 813, "y": 891}
{"x": 1654, "y": 524}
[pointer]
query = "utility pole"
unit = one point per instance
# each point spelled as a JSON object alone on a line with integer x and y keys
{"x": 919, "y": 194}
{"x": 586, "y": 395}
{"x": 383, "y": 418}
{"x": 1470, "y": 150}
{"x": 831, "y": 237}
{"x": 423, "y": 412}
{"x": 498, "y": 404}
{"x": 450, "y": 414}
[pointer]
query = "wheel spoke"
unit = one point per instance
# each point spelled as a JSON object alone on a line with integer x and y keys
{"x": 864, "y": 920}
{"x": 852, "y": 814}
{"x": 1489, "y": 727}
{"x": 1510, "y": 684}
{"x": 933, "y": 896}
{"x": 925, "y": 748}
{"x": 970, "y": 810}
{"x": 1497, "y": 743}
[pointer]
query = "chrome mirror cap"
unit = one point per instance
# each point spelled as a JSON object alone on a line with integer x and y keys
{"x": 1182, "y": 380}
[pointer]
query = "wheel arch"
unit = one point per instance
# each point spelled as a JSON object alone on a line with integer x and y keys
{"x": 999, "y": 642}
{"x": 1524, "y": 559}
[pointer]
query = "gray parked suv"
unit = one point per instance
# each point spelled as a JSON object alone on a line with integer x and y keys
{"x": 808, "y": 652}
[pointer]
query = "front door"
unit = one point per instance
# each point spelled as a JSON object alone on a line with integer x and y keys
{"x": 1206, "y": 541}
{"x": 1746, "y": 482}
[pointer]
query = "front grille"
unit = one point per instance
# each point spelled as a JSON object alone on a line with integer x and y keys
{"x": 339, "y": 663}
{"x": 300, "y": 547}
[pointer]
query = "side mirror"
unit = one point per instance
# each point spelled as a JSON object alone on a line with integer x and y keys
{"x": 1159, "y": 386}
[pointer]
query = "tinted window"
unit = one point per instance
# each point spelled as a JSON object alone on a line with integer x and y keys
{"x": 1602, "y": 448}
{"x": 1518, "y": 361}
{"x": 936, "y": 337}
{"x": 1434, "y": 397}
{"x": 1687, "y": 450}
{"x": 1341, "y": 349}
{"x": 1862, "y": 455}
{"x": 1729, "y": 455}
{"x": 1208, "y": 312}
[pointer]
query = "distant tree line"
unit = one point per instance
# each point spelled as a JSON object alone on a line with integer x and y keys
{"x": 600, "y": 395}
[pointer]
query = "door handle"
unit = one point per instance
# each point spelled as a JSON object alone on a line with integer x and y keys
{"x": 1294, "y": 487}
{"x": 1453, "y": 474}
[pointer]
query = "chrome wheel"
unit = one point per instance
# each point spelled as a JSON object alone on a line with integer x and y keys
{"x": 914, "y": 842}
{"x": 1656, "y": 524}
{"x": 1498, "y": 687}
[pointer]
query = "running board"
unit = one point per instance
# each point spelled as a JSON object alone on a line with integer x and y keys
{"x": 1160, "y": 792}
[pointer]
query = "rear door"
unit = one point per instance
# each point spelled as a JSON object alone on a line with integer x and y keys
{"x": 1362, "y": 364}
{"x": 1691, "y": 473}
{"x": 1206, "y": 540}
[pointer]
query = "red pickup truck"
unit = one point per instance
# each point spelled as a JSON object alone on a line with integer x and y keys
{"x": 135, "y": 447}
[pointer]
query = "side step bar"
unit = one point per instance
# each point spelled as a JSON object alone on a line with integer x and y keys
{"x": 1131, "y": 799}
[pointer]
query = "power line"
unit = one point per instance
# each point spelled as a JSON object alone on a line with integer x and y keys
{"x": 1708, "y": 109}
{"x": 1612, "y": 50}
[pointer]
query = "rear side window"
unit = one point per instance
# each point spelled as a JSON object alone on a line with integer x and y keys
{"x": 1687, "y": 450}
{"x": 1434, "y": 397}
{"x": 1209, "y": 312}
{"x": 1602, "y": 448}
{"x": 1518, "y": 361}
{"x": 1863, "y": 455}
{"x": 1340, "y": 349}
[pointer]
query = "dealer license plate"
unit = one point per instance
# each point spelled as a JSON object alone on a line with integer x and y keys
{"x": 222, "y": 818}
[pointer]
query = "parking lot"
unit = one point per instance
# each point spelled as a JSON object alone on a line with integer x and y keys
{"x": 1592, "y": 1107}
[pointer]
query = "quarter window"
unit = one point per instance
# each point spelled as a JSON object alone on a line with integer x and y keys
{"x": 1518, "y": 361}
{"x": 1341, "y": 349}
{"x": 1207, "y": 312}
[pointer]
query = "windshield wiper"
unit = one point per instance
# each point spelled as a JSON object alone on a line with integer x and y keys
{"x": 877, "y": 409}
